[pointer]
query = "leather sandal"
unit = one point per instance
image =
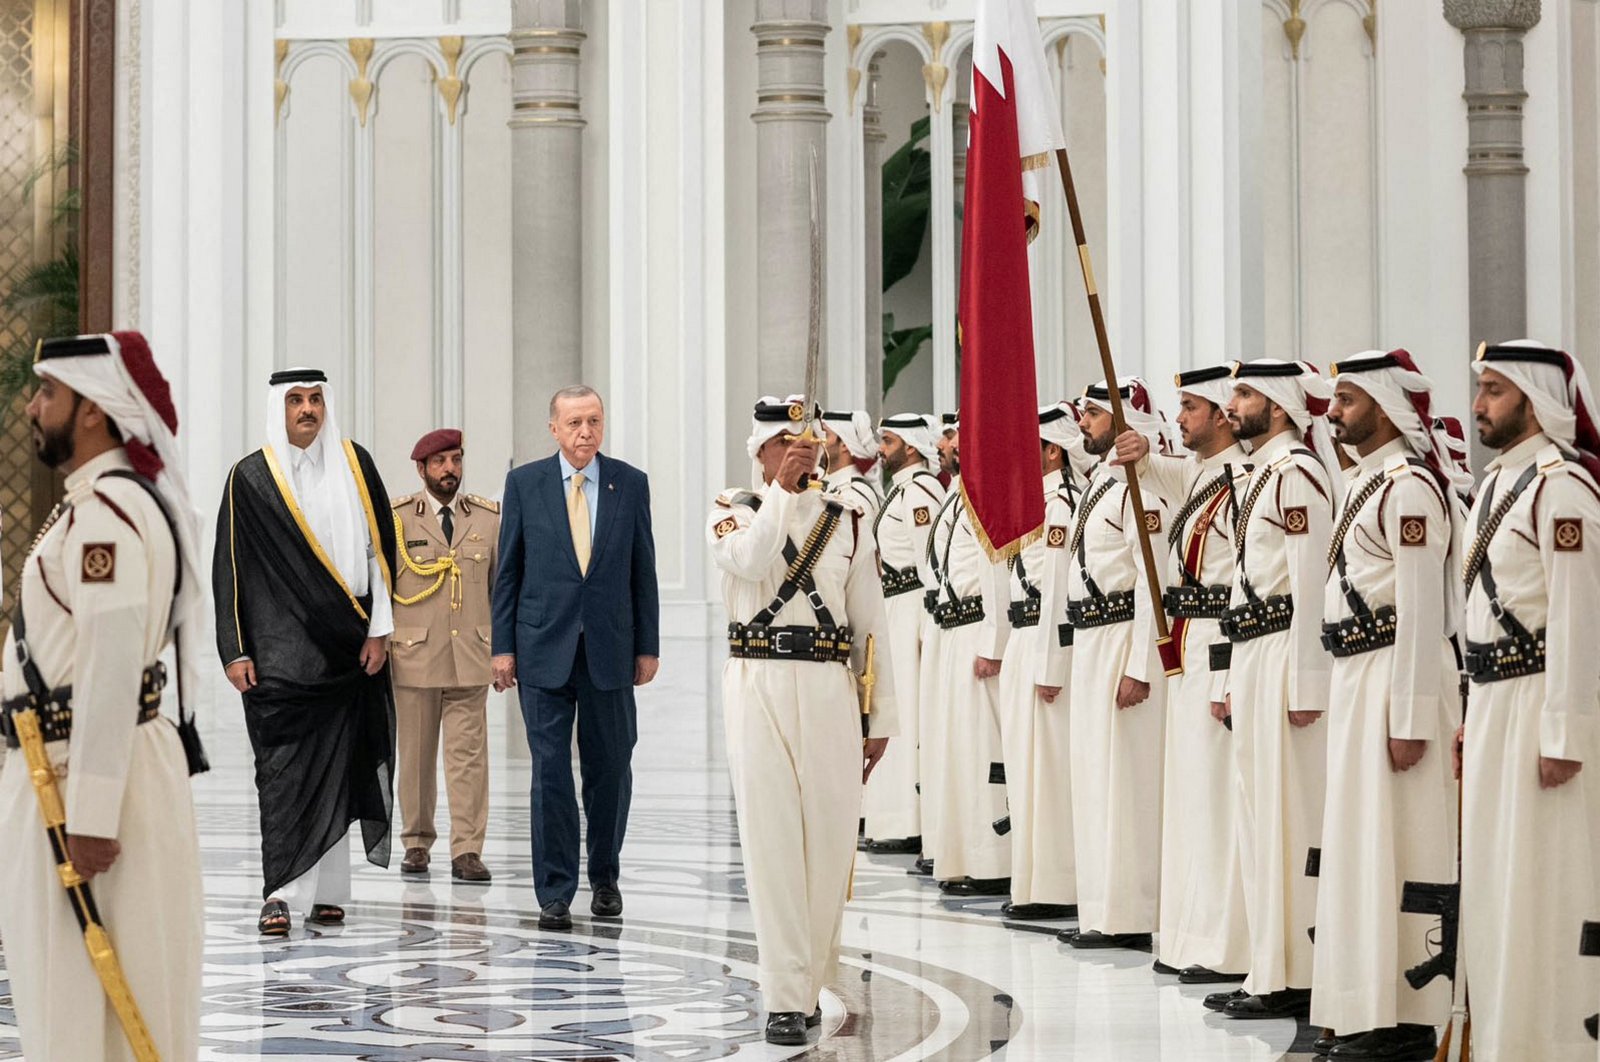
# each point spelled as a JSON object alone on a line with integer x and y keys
{"x": 325, "y": 914}
{"x": 274, "y": 920}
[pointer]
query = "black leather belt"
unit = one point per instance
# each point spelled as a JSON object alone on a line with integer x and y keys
{"x": 1360, "y": 634}
{"x": 1103, "y": 611}
{"x": 963, "y": 612}
{"x": 1196, "y": 602}
{"x": 55, "y": 713}
{"x": 1508, "y": 658}
{"x": 1024, "y": 613}
{"x": 897, "y": 581}
{"x": 1257, "y": 619}
{"x": 818, "y": 645}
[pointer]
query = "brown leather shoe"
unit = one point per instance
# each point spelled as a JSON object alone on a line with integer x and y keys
{"x": 468, "y": 867}
{"x": 415, "y": 862}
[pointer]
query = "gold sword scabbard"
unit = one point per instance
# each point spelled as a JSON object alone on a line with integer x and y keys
{"x": 869, "y": 675}
{"x": 102, "y": 956}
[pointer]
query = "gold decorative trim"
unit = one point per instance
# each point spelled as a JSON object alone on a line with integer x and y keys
{"x": 792, "y": 97}
{"x": 305, "y": 528}
{"x": 451, "y": 86}
{"x": 1294, "y": 27}
{"x": 792, "y": 42}
{"x": 1036, "y": 161}
{"x": 1088, "y": 269}
{"x": 852, "y": 78}
{"x": 934, "y": 72}
{"x": 1102, "y": 56}
{"x": 280, "y": 86}
{"x": 545, "y": 105}
{"x": 550, "y": 49}
{"x": 853, "y": 34}
{"x": 372, "y": 517}
{"x": 361, "y": 86}
{"x": 1370, "y": 23}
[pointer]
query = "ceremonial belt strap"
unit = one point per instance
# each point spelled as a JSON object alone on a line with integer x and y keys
{"x": 801, "y": 562}
{"x": 896, "y": 581}
{"x": 943, "y": 571}
{"x": 1193, "y": 599}
{"x": 1478, "y": 565}
{"x": 1242, "y": 524}
{"x": 1024, "y": 613}
{"x": 55, "y": 708}
{"x": 1367, "y": 629}
{"x": 1197, "y": 500}
{"x": 1079, "y": 533}
{"x": 930, "y": 600}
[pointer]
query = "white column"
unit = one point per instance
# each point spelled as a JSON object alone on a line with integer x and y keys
{"x": 1164, "y": 348}
{"x": 942, "y": 220}
{"x": 872, "y": 140}
{"x": 1125, "y": 197}
{"x": 362, "y": 372}
{"x": 450, "y": 356}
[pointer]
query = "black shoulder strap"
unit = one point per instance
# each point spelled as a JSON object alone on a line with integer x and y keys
{"x": 166, "y": 514}
{"x": 1478, "y": 566}
{"x": 801, "y": 561}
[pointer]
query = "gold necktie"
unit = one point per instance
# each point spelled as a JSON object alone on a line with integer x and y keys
{"x": 578, "y": 519}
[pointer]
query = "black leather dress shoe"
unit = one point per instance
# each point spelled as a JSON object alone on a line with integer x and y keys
{"x": 976, "y": 887}
{"x": 555, "y": 915}
{"x": 1289, "y": 1003}
{"x": 1328, "y": 1041}
{"x": 1403, "y": 1043}
{"x": 814, "y": 1019}
{"x": 922, "y": 868}
{"x": 1162, "y": 968}
{"x": 607, "y": 902}
{"x": 1066, "y": 936}
{"x": 786, "y": 1027}
{"x": 1592, "y": 1025}
{"x": 1219, "y": 1000}
{"x": 895, "y": 845}
{"x": 1093, "y": 939}
{"x": 1200, "y": 975}
{"x": 1040, "y": 912}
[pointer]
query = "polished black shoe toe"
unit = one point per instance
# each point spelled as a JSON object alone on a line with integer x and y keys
{"x": 1200, "y": 975}
{"x": 607, "y": 902}
{"x": 1094, "y": 939}
{"x": 1289, "y": 1003}
{"x": 1403, "y": 1043}
{"x": 1166, "y": 971}
{"x": 895, "y": 846}
{"x": 1040, "y": 912}
{"x": 1220, "y": 1000}
{"x": 1328, "y": 1041}
{"x": 786, "y": 1028}
{"x": 555, "y": 915}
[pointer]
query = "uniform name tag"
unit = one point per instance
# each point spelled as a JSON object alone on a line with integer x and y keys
{"x": 1295, "y": 521}
{"x": 1056, "y": 537}
{"x": 99, "y": 562}
{"x": 1413, "y": 531}
{"x": 414, "y": 543}
{"x": 921, "y": 516}
{"x": 1569, "y": 534}
{"x": 726, "y": 527}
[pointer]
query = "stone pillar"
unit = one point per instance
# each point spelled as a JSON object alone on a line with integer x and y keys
{"x": 961, "y": 118}
{"x": 873, "y": 137}
{"x": 546, "y": 225}
{"x": 791, "y": 121}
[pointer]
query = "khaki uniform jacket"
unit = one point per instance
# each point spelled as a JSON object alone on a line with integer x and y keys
{"x": 442, "y": 638}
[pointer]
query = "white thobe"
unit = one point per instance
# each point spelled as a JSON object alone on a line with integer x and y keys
{"x": 892, "y": 806}
{"x": 1383, "y": 828}
{"x": 1282, "y": 768}
{"x": 97, "y": 631}
{"x": 967, "y": 802}
{"x": 932, "y": 705}
{"x": 863, "y": 489}
{"x": 1034, "y": 734}
{"x": 1528, "y": 855}
{"x": 794, "y": 733}
{"x": 1117, "y": 754}
{"x": 1202, "y": 895}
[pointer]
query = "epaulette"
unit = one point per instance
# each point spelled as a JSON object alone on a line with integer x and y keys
{"x": 402, "y": 501}
{"x": 484, "y": 503}
{"x": 736, "y": 497}
{"x": 1552, "y": 458}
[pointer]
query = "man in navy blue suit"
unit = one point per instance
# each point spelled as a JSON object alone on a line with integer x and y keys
{"x": 576, "y": 627}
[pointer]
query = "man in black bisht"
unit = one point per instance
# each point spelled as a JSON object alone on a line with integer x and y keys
{"x": 303, "y": 574}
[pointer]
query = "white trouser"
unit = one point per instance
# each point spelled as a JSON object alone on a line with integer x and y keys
{"x": 891, "y": 804}
{"x": 1037, "y": 748}
{"x": 328, "y": 882}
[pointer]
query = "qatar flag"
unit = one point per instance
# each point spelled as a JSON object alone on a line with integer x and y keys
{"x": 1014, "y": 128}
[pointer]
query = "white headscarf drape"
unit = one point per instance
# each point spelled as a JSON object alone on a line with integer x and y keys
{"x": 336, "y": 516}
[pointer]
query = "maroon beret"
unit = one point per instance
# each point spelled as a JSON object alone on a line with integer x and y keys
{"x": 436, "y": 442}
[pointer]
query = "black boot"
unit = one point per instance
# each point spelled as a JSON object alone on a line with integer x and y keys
{"x": 1403, "y": 1043}
{"x": 786, "y": 1027}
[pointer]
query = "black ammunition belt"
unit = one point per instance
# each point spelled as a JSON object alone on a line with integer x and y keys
{"x": 1508, "y": 658}
{"x": 55, "y": 713}
{"x": 963, "y": 612}
{"x": 1196, "y": 602}
{"x": 818, "y": 645}
{"x": 930, "y": 601}
{"x": 897, "y": 581}
{"x": 1115, "y": 607}
{"x": 1257, "y": 619}
{"x": 1024, "y": 613}
{"x": 1361, "y": 633}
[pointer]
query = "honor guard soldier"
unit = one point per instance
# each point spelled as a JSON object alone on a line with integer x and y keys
{"x": 101, "y": 904}
{"x": 440, "y": 653}
{"x": 1277, "y": 688}
{"x": 1118, "y": 691}
{"x": 1389, "y": 611}
{"x": 850, "y": 449}
{"x": 800, "y": 582}
{"x": 1532, "y": 577}
{"x": 1033, "y": 724}
{"x": 892, "y": 805}
{"x": 1204, "y": 937}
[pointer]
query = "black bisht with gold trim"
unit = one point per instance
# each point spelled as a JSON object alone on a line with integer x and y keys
{"x": 323, "y": 730}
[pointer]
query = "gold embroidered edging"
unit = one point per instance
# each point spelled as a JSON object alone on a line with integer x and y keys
{"x": 372, "y": 517}
{"x": 233, "y": 560}
{"x": 305, "y": 528}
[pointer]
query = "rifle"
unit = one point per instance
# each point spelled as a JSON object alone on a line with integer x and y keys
{"x": 1444, "y": 902}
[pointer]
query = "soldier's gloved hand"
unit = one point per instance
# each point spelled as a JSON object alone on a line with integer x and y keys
{"x": 92, "y": 855}
{"x": 242, "y": 674}
{"x": 1131, "y": 448}
{"x": 1131, "y": 692}
{"x": 505, "y": 671}
{"x": 799, "y": 460}
{"x": 872, "y": 750}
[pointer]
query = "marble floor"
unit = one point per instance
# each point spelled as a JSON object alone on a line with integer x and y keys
{"x": 429, "y": 970}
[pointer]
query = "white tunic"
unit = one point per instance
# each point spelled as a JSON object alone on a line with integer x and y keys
{"x": 932, "y": 706}
{"x": 1035, "y": 735}
{"x": 794, "y": 733}
{"x": 1202, "y": 895}
{"x": 1528, "y": 855}
{"x": 1383, "y": 828}
{"x": 967, "y": 803}
{"x": 1282, "y": 768}
{"x": 892, "y": 806}
{"x": 97, "y": 629}
{"x": 848, "y": 480}
{"x": 1116, "y": 775}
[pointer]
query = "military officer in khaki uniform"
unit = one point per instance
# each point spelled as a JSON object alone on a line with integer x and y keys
{"x": 440, "y": 652}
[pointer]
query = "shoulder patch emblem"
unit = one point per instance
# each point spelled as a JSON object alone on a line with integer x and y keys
{"x": 1295, "y": 521}
{"x": 1152, "y": 522}
{"x": 921, "y": 516}
{"x": 99, "y": 562}
{"x": 1056, "y": 537}
{"x": 1569, "y": 534}
{"x": 726, "y": 527}
{"x": 1413, "y": 531}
